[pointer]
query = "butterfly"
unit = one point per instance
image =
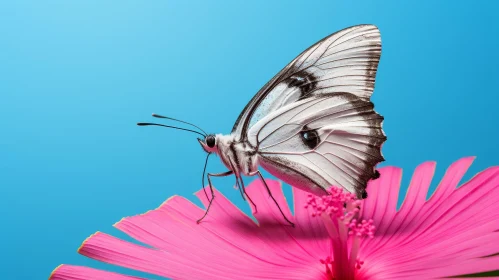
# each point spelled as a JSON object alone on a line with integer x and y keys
{"x": 312, "y": 125}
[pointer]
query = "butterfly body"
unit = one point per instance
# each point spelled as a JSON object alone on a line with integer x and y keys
{"x": 240, "y": 157}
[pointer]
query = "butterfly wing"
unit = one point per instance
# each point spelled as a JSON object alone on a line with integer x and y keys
{"x": 313, "y": 123}
{"x": 321, "y": 141}
{"x": 345, "y": 61}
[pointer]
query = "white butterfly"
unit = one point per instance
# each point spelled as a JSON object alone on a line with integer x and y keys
{"x": 313, "y": 124}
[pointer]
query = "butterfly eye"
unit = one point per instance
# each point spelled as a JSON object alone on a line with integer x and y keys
{"x": 310, "y": 138}
{"x": 210, "y": 141}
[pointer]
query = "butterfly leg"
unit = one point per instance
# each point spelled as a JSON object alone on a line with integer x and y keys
{"x": 249, "y": 198}
{"x": 204, "y": 172}
{"x": 238, "y": 185}
{"x": 270, "y": 193}
{"x": 212, "y": 192}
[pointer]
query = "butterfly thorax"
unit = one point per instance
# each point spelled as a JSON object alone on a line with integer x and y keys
{"x": 238, "y": 156}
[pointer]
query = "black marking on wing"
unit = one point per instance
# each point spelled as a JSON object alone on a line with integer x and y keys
{"x": 306, "y": 82}
{"x": 310, "y": 137}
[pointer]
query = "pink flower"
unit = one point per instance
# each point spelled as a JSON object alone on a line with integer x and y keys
{"x": 455, "y": 232}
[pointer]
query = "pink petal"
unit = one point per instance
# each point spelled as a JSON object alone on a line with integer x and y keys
{"x": 268, "y": 212}
{"x": 310, "y": 230}
{"x": 295, "y": 243}
{"x": 445, "y": 236}
{"x": 451, "y": 178}
{"x": 448, "y": 184}
{"x": 448, "y": 235}
{"x": 70, "y": 272}
{"x": 411, "y": 206}
{"x": 109, "y": 249}
{"x": 173, "y": 228}
{"x": 470, "y": 267}
{"x": 213, "y": 249}
{"x": 381, "y": 204}
{"x": 272, "y": 230}
{"x": 281, "y": 243}
{"x": 418, "y": 188}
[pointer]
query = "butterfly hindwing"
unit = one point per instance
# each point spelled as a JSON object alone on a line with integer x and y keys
{"x": 321, "y": 141}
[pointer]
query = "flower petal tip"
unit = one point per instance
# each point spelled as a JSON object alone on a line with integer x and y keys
{"x": 427, "y": 165}
{"x": 53, "y": 273}
{"x": 117, "y": 224}
{"x": 86, "y": 241}
{"x": 388, "y": 169}
{"x": 196, "y": 193}
{"x": 165, "y": 202}
{"x": 73, "y": 272}
{"x": 466, "y": 161}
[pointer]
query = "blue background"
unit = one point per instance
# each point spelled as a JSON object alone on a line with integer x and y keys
{"x": 75, "y": 77}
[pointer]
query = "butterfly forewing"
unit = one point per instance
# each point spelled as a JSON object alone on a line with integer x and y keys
{"x": 345, "y": 61}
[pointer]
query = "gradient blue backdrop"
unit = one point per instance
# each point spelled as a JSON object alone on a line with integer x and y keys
{"x": 75, "y": 77}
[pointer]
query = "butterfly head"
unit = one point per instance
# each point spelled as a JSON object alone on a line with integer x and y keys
{"x": 209, "y": 143}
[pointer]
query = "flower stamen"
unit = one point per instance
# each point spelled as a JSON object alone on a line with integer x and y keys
{"x": 339, "y": 212}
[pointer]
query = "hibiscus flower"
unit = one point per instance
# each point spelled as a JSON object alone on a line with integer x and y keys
{"x": 454, "y": 232}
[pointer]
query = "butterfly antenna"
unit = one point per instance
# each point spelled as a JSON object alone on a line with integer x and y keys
{"x": 169, "y": 126}
{"x": 168, "y": 118}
